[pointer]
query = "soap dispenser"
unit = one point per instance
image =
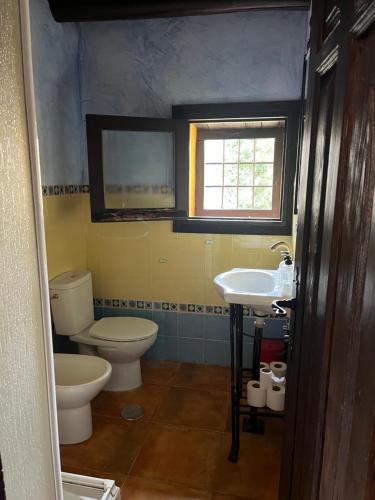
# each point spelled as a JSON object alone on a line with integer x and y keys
{"x": 286, "y": 271}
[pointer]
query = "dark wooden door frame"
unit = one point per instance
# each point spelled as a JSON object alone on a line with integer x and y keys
{"x": 349, "y": 440}
{"x": 307, "y": 465}
{"x": 324, "y": 59}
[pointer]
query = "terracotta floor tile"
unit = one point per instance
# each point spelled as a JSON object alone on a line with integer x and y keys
{"x": 194, "y": 408}
{"x": 159, "y": 372}
{"x": 112, "y": 449}
{"x": 272, "y": 425}
{"x": 137, "y": 488}
{"x": 214, "y": 378}
{"x": 256, "y": 474}
{"x": 168, "y": 462}
{"x": 119, "y": 479}
{"x": 181, "y": 456}
{"x": 111, "y": 403}
{"x": 219, "y": 496}
{"x": 228, "y": 425}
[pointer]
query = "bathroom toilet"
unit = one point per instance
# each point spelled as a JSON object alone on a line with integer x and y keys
{"x": 120, "y": 340}
{"x": 78, "y": 380}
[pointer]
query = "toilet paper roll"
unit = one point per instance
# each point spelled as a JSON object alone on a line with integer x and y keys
{"x": 263, "y": 365}
{"x": 278, "y": 368}
{"x": 276, "y": 398}
{"x": 265, "y": 378}
{"x": 281, "y": 381}
{"x": 256, "y": 396}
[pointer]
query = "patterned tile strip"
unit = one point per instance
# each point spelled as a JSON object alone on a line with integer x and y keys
{"x": 165, "y": 306}
{"x": 59, "y": 190}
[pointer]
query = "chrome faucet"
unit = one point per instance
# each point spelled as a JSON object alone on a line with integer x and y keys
{"x": 285, "y": 249}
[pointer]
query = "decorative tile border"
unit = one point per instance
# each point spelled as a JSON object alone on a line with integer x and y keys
{"x": 166, "y": 306}
{"x": 140, "y": 188}
{"x": 190, "y": 333}
{"x": 59, "y": 190}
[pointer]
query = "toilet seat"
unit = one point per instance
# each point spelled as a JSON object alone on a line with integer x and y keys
{"x": 123, "y": 329}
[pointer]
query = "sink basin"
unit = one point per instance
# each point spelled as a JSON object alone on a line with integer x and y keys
{"x": 256, "y": 288}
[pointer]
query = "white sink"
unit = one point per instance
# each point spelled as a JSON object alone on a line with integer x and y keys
{"x": 256, "y": 288}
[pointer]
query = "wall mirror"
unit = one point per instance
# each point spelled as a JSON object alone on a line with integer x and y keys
{"x": 133, "y": 167}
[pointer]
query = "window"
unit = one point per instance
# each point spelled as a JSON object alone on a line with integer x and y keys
{"x": 241, "y": 167}
{"x": 132, "y": 167}
{"x": 215, "y": 168}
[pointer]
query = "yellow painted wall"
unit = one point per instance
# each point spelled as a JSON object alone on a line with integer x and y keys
{"x": 66, "y": 229}
{"x": 125, "y": 257}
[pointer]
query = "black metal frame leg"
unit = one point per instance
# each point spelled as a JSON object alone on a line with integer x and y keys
{"x": 236, "y": 337}
{"x": 258, "y": 333}
{"x": 252, "y": 423}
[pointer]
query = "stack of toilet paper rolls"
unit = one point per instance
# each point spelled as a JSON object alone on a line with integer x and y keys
{"x": 269, "y": 390}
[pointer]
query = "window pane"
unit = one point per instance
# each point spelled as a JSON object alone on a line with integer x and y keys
{"x": 264, "y": 150}
{"x": 138, "y": 169}
{"x": 263, "y": 175}
{"x": 212, "y": 198}
{"x": 245, "y": 174}
{"x": 231, "y": 150}
{"x": 245, "y": 198}
{"x": 213, "y": 174}
{"x": 263, "y": 198}
{"x": 213, "y": 151}
{"x": 230, "y": 175}
{"x": 230, "y": 198}
{"x": 247, "y": 150}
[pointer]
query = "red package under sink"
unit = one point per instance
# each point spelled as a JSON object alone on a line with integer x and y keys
{"x": 272, "y": 350}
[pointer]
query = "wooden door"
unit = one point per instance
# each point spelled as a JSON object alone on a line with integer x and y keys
{"x": 348, "y": 453}
{"x": 329, "y": 394}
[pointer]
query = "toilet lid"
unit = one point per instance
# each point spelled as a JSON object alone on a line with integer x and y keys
{"x": 123, "y": 329}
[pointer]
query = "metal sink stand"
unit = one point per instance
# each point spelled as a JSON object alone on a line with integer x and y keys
{"x": 239, "y": 378}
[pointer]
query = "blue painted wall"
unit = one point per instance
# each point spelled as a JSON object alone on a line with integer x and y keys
{"x": 58, "y": 102}
{"x": 144, "y": 67}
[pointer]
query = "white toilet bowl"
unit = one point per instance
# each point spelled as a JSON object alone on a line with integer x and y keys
{"x": 122, "y": 341}
{"x": 79, "y": 379}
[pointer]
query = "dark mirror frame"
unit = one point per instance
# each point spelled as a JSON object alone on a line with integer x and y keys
{"x": 95, "y": 124}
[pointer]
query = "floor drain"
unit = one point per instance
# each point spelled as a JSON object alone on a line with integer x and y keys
{"x": 132, "y": 412}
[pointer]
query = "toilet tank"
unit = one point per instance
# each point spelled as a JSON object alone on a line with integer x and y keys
{"x": 71, "y": 302}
